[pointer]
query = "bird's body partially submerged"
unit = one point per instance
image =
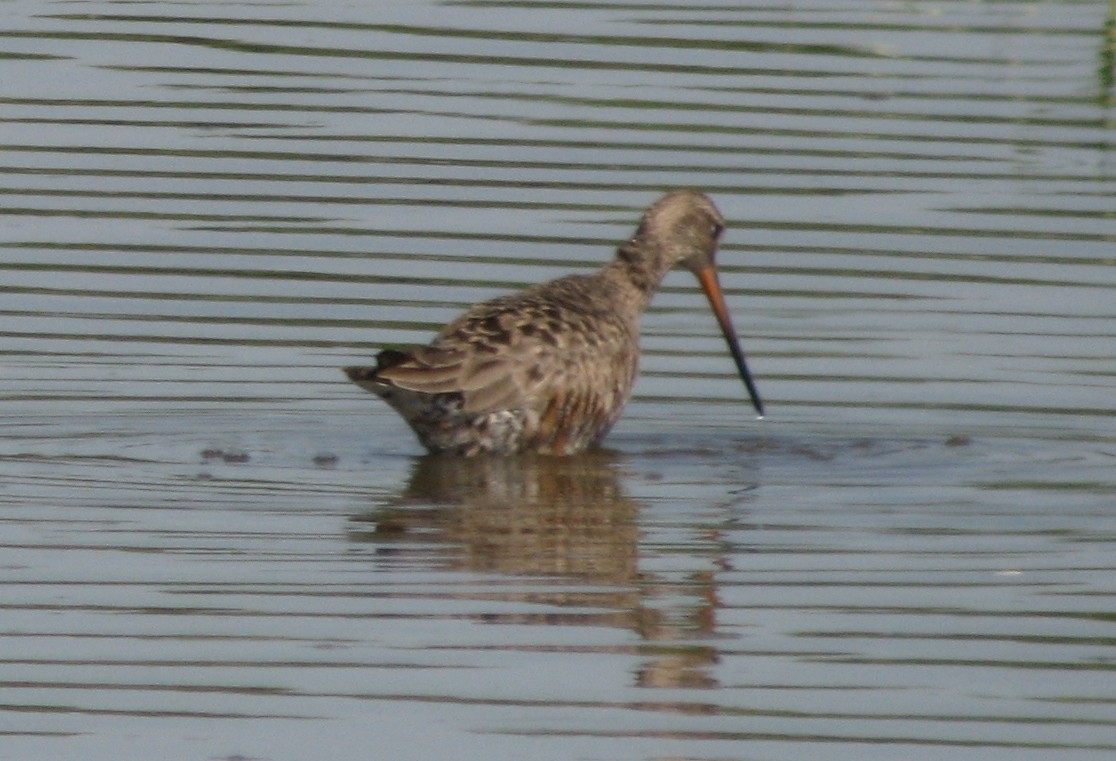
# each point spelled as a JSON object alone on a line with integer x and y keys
{"x": 549, "y": 369}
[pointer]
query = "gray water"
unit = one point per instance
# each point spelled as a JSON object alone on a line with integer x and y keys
{"x": 216, "y": 548}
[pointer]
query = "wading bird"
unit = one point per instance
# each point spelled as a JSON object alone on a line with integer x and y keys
{"x": 549, "y": 369}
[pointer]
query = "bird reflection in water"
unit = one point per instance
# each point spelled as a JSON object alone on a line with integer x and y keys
{"x": 563, "y": 519}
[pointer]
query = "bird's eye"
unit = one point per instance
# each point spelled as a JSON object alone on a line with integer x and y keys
{"x": 716, "y": 229}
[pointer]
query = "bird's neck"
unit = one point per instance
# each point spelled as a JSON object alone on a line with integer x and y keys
{"x": 637, "y": 269}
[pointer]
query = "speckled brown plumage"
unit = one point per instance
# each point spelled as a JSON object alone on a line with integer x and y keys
{"x": 550, "y": 368}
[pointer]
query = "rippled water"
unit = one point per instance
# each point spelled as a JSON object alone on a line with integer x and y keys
{"x": 215, "y": 547}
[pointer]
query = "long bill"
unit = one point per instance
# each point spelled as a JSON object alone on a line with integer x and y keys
{"x": 707, "y": 276}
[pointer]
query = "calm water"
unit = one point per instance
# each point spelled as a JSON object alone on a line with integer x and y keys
{"x": 216, "y": 548}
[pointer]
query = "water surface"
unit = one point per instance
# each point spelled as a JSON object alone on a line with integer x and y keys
{"x": 215, "y": 547}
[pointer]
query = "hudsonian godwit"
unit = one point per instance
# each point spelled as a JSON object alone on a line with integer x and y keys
{"x": 549, "y": 369}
